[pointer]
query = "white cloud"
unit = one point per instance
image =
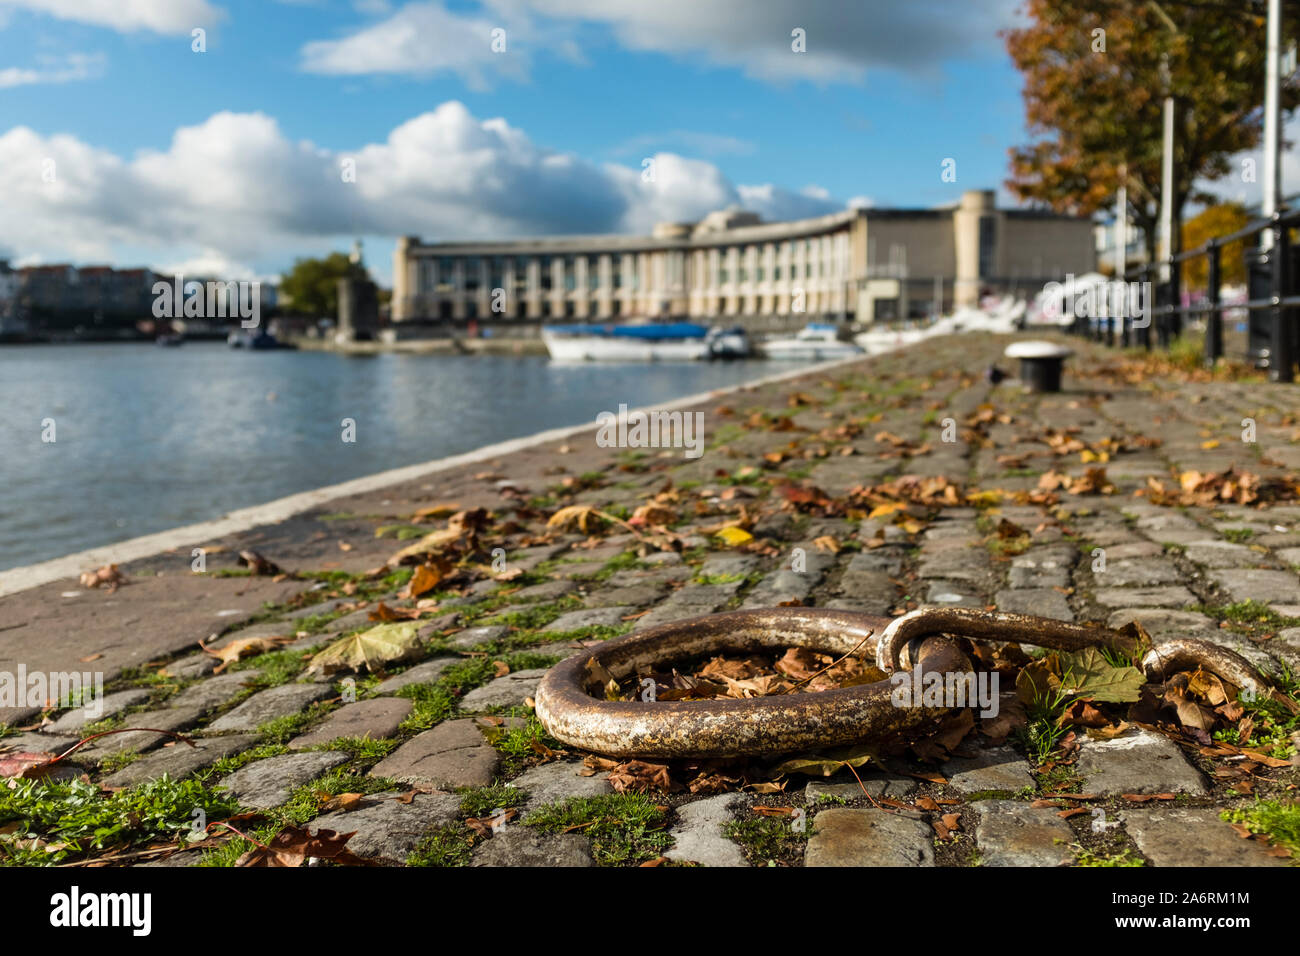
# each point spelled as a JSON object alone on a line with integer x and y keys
{"x": 842, "y": 40}
{"x": 235, "y": 191}
{"x": 51, "y": 69}
{"x": 127, "y": 16}
{"x": 421, "y": 39}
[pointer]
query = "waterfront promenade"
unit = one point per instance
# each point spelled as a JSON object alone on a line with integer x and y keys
{"x": 1042, "y": 517}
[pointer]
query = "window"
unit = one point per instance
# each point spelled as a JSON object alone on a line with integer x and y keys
{"x": 473, "y": 273}
{"x": 988, "y": 245}
{"x": 446, "y": 274}
{"x": 497, "y": 273}
{"x": 570, "y": 279}
{"x": 616, "y": 268}
{"x": 521, "y": 271}
{"x": 593, "y": 273}
{"x": 548, "y": 276}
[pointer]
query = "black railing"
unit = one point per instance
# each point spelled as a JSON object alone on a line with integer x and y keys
{"x": 1273, "y": 295}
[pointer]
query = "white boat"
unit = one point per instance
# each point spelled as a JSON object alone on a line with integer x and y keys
{"x": 816, "y": 342}
{"x": 877, "y": 341}
{"x": 649, "y": 342}
{"x": 727, "y": 343}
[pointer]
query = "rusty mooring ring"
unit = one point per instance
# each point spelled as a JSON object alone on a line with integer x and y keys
{"x": 789, "y": 722}
{"x": 1159, "y": 662}
{"x": 726, "y": 727}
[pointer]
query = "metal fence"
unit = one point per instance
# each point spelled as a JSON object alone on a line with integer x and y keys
{"x": 1272, "y": 287}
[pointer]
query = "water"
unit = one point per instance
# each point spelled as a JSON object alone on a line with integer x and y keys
{"x": 149, "y": 438}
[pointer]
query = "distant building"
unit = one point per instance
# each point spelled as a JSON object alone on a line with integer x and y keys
{"x": 857, "y": 265}
{"x": 67, "y": 289}
{"x": 11, "y": 321}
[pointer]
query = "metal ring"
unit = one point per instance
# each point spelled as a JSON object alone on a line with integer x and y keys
{"x": 726, "y": 727}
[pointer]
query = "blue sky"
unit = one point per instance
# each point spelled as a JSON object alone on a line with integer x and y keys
{"x": 228, "y": 159}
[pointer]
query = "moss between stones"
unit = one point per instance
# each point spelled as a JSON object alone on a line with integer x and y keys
{"x": 624, "y": 829}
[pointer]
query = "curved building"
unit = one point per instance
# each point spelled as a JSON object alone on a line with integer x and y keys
{"x": 860, "y": 265}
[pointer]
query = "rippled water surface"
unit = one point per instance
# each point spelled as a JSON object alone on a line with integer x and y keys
{"x": 149, "y": 438}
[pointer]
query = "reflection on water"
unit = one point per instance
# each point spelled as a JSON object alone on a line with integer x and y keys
{"x": 149, "y": 438}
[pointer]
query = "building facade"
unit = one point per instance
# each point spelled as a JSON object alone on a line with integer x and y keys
{"x": 859, "y": 265}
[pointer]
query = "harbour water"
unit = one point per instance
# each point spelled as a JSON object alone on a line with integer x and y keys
{"x": 147, "y": 438}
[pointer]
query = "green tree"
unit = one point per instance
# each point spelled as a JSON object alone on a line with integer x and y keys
{"x": 311, "y": 286}
{"x": 1095, "y": 81}
{"x": 1213, "y": 221}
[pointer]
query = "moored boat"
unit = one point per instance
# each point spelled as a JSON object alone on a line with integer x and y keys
{"x": 649, "y": 342}
{"x": 816, "y": 342}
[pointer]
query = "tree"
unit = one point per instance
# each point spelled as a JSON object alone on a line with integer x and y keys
{"x": 312, "y": 284}
{"x": 1095, "y": 82}
{"x": 1218, "y": 220}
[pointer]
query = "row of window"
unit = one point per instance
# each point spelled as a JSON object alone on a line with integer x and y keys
{"x": 496, "y": 280}
{"x": 471, "y": 271}
{"x": 518, "y": 309}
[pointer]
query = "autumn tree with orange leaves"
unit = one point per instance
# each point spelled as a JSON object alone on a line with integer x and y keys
{"x": 1094, "y": 99}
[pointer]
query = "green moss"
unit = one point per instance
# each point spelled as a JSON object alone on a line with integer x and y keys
{"x": 1250, "y": 615}
{"x": 76, "y": 817}
{"x": 361, "y": 748}
{"x": 517, "y": 744}
{"x": 1279, "y": 821}
{"x": 624, "y": 829}
{"x": 435, "y": 702}
{"x": 305, "y": 802}
{"x": 770, "y": 841}
{"x": 279, "y": 730}
{"x": 1125, "y": 857}
{"x": 482, "y": 801}
{"x": 273, "y": 667}
{"x": 449, "y": 845}
{"x": 228, "y": 765}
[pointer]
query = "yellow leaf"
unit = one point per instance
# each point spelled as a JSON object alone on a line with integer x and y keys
{"x": 734, "y": 536}
{"x": 888, "y": 508}
{"x": 381, "y": 644}
{"x": 1212, "y": 443}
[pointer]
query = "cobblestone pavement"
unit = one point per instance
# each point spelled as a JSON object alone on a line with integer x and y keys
{"x": 447, "y": 736}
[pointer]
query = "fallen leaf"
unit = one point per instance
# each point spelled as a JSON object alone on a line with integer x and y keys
{"x": 380, "y": 645}
{"x": 294, "y": 846}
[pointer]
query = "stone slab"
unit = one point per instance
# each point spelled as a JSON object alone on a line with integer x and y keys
{"x": 269, "y": 704}
{"x": 1139, "y": 761}
{"x": 698, "y": 836}
{"x": 178, "y": 760}
{"x": 1011, "y": 833}
{"x": 452, "y": 754}
{"x": 387, "y": 830}
{"x": 268, "y": 783}
{"x": 868, "y": 837}
{"x": 376, "y": 719}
